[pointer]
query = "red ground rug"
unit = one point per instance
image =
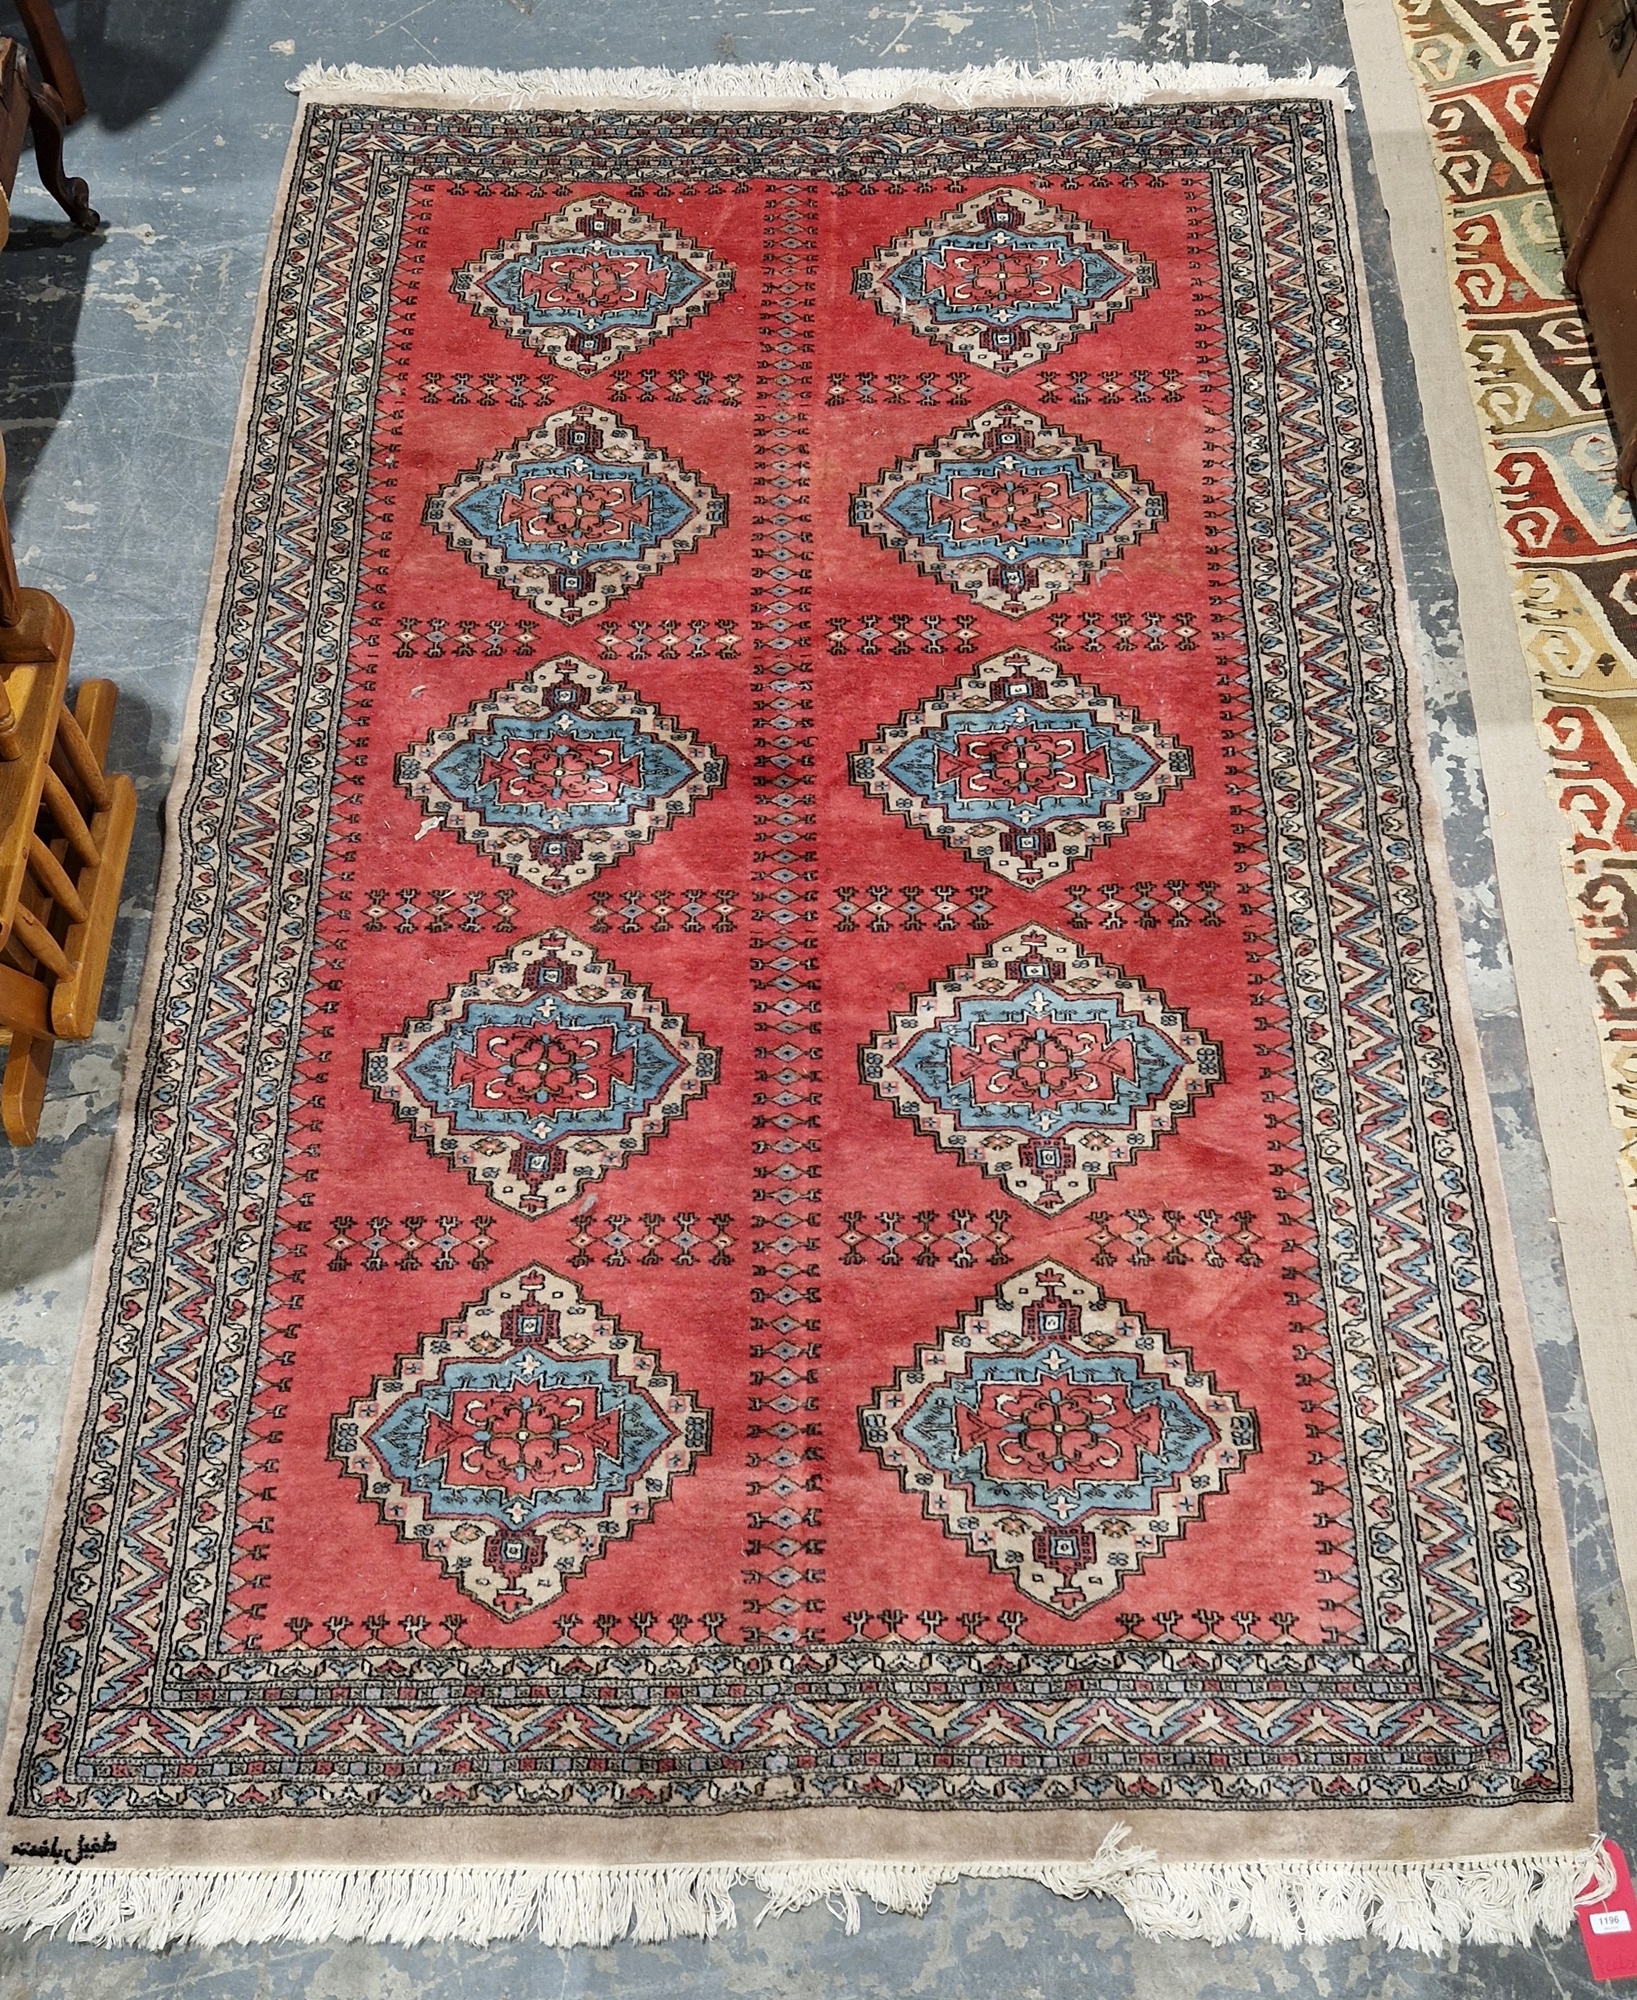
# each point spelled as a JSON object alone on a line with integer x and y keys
{"x": 807, "y": 1193}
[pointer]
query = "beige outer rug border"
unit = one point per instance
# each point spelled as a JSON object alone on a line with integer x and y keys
{"x": 1565, "y": 1058}
{"x": 1424, "y": 1878}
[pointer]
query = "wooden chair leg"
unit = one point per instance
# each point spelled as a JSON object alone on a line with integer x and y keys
{"x": 11, "y": 589}
{"x": 22, "y": 1088}
{"x": 51, "y": 52}
{"x": 46, "y": 121}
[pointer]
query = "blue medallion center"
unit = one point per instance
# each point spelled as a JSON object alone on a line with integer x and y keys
{"x": 593, "y": 284}
{"x": 575, "y": 509}
{"x": 521, "y": 1439}
{"x": 1044, "y": 1061}
{"x": 1008, "y": 509}
{"x": 566, "y": 772}
{"x": 1021, "y": 764}
{"x": 545, "y": 1069}
{"x": 1057, "y": 1434}
{"x": 1004, "y": 278}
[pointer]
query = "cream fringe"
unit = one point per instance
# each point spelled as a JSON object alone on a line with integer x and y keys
{"x": 813, "y": 87}
{"x": 1423, "y": 1906}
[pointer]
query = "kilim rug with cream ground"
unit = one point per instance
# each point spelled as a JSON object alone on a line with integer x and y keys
{"x": 1550, "y": 454}
{"x": 805, "y": 1197}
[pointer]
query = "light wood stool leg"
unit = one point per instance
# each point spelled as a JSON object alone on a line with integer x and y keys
{"x": 22, "y": 1088}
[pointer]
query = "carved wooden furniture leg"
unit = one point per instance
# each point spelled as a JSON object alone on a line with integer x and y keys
{"x": 51, "y": 54}
{"x": 11, "y": 591}
{"x": 45, "y": 121}
{"x": 14, "y": 109}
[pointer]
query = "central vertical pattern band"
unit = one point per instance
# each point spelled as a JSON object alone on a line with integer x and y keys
{"x": 783, "y": 1580}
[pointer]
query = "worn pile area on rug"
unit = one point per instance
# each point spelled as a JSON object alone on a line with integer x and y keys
{"x": 805, "y": 1195}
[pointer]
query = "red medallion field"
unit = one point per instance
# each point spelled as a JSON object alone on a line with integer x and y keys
{"x": 792, "y": 1233}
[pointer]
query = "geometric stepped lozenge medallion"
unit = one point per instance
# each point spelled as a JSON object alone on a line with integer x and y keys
{"x": 1042, "y": 1066}
{"x": 542, "y": 1073}
{"x": 592, "y": 283}
{"x": 521, "y": 1441}
{"x": 1009, "y": 509}
{"x": 577, "y": 513}
{"x": 1022, "y": 767}
{"x": 1004, "y": 280}
{"x": 1058, "y": 1435}
{"x": 559, "y": 775}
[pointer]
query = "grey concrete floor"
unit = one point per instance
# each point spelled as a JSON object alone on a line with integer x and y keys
{"x": 120, "y": 363}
